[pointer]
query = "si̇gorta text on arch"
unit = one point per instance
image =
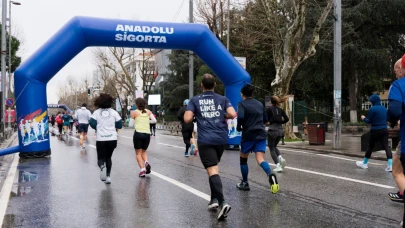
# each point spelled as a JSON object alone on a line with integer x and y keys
{"x": 150, "y": 34}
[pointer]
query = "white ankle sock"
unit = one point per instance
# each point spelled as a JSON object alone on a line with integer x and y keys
{"x": 143, "y": 169}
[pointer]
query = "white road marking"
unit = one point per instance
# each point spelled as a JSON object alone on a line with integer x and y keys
{"x": 119, "y": 136}
{"x": 319, "y": 173}
{"x": 297, "y": 151}
{"x": 183, "y": 186}
{"x": 177, "y": 183}
{"x": 325, "y": 155}
{"x": 86, "y": 145}
{"x": 171, "y": 145}
{"x": 6, "y": 190}
{"x": 337, "y": 177}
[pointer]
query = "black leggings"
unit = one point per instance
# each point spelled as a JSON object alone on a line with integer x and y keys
{"x": 105, "y": 150}
{"x": 60, "y": 126}
{"x": 187, "y": 135}
{"x": 152, "y": 129}
{"x": 272, "y": 142}
{"x": 380, "y": 135}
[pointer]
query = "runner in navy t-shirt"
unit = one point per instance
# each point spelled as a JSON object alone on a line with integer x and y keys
{"x": 251, "y": 120}
{"x": 211, "y": 111}
{"x": 397, "y": 171}
{"x": 396, "y": 97}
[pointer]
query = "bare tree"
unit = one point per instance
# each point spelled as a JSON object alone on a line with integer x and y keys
{"x": 283, "y": 25}
{"x": 73, "y": 93}
{"x": 148, "y": 70}
{"x": 120, "y": 62}
{"x": 117, "y": 67}
{"x": 212, "y": 12}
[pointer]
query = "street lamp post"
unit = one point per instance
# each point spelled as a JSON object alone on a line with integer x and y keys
{"x": 3, "y": 65}
{"x": 9, "y": 43}
{"x": 228, "y": 26}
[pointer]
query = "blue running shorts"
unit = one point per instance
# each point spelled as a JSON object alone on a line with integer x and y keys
{"x": 253, "y": 146}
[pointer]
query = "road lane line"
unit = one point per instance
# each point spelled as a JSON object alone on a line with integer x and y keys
{"x": 298, "y": 151}
{"x": 179, "y": 184}
{"x": 326, "y": 155}
{"x": 124, "y": 137}
{"x": 171, "y": 145}
{"x": 6, "y": 190}
{"x": 319, "y": 173}
{"x": 337, "y": 177}
{"x": 347, "y": 159}
{"x": 87, "y": 144}
{"x": 183, "y": 186}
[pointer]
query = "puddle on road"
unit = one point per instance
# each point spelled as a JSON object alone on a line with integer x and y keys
{"x": 20, "y": 191}
{"x": 25, "y": 176}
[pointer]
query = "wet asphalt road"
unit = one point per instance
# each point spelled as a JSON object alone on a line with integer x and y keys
{"x": 316, "y": 190}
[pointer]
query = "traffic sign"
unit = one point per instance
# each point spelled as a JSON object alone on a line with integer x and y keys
{"x": 9, "y": 102}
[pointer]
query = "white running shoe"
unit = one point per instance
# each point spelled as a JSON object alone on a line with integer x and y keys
{"x": 282, "y": 161}
{"x": 103, "y": 173}
{"x": 108, "y": 180}
{"x": 361, "y": 164}
{"x": 84, "y": 145}
{"x": 388, "y": 169}
{"x": 278, "y": 169}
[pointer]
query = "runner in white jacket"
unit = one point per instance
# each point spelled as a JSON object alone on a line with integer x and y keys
{"x": 83, "y": 116}
{"x": 152, "y": 124}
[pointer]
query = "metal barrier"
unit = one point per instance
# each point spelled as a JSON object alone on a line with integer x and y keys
{"x": 172, "y": 127}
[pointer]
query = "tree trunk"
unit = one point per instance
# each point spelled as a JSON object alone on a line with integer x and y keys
{"x": 353, "y": 94}
{"x": 288, "y": 128}
{"x": 281, "y": 89}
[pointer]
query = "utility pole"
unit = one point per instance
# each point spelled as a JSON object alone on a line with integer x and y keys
{"x": 228, "y": 25}
{"x": 133, "y": 72}
{"x": 9, "y": 45}
{"x": 337, "y": 74}
{"x": 191, "y": 58}
{"x": 9, "y": 50}
{"x": 3, "y": 64}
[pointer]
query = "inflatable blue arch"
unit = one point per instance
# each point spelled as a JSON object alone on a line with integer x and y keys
{"x": 81, "y": 32}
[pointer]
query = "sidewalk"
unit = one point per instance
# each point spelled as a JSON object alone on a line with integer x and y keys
{"x": 350, "y": 144}
{"x": 5, "y": 161}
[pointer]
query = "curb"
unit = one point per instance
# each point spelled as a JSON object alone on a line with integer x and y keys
{"x": 8, "y": 159}
{"x": 8, "y": 143}
{"x": 323, "y": 151}
{"x": 338, "y": 152}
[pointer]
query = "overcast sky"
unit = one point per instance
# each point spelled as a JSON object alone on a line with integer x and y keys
{"x": 35, "y": 21}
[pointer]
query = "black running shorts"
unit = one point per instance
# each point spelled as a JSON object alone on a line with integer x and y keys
{"x": 82, "y": 128}
{"x": 141, "y": 140}
{"x": 210, "y": 155}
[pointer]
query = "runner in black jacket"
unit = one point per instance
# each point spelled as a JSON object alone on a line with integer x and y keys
{"x": 186, "y": 129}
{"x": 277, "y": 117}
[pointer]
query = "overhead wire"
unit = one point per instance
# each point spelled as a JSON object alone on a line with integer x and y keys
{"x": 178, "y": 11}
{"x": 295, "y": 102}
